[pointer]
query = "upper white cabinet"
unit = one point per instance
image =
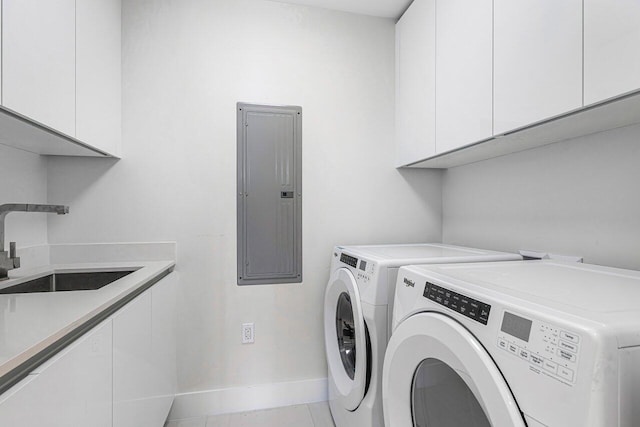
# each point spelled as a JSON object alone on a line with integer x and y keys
{"x": 537, "y": 61}
{"x": 464, "y": 72}
{"x": 98, "y": 73}
{"x": 61, "y": 76}
{"x": 415, "y": 82}
{"x": 38, "y": 61}
{"x": 611, "y": 48}
{"x": 512, "y": 75}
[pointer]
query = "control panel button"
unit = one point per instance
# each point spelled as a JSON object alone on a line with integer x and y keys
{"x": 463, "y": 308}
{"x": 502, "y": 344}
{"x": 550, "y": 366}
{"x": 483, "y": 313}
{"x": 570, "y": 336}
{"x": 512, "y": 348}
{"x": 536, "y": 360}
{"x": 523, "y": 353}
{"x": 473, "y": 313}
{"x": 566, "y": 355}
{"x": 565, "y": 373}
{"x": 568, "y": 346}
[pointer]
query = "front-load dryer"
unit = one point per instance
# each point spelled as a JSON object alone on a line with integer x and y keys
{"x": 531, "y": 343}
{"x": 358, "y": 300}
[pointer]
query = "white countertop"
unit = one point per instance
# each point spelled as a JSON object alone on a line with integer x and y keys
{"x": 32, "y": 322}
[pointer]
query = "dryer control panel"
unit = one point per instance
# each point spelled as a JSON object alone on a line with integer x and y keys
{"x": 469, "y": 307}
{"x": 548, "y": 349}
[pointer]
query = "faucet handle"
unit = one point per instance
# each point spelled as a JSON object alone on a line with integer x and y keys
{"x": 12, "y": 255}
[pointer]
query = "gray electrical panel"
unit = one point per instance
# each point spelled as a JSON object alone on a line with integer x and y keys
{"x": 269, "y": 194}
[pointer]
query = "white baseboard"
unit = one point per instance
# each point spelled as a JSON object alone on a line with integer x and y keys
{"x": 241, "y": 399}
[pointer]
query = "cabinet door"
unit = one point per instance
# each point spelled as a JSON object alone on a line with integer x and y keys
{"x": 133, "y": 363}
{"x": 611, "y": 48}
{"x": 415, "y": 83}
{"x": 98, "y": 74}
{"x": 537, "y": 60}
{"x": 71, "y": 389}
{"x": 464, "y": 72}
{"x": 38, "y": 61}
{"x": 163, "y": 342}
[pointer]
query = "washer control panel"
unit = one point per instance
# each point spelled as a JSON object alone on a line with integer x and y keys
{"x": 469, "y": 307}
{"x": 365, "y": 270}
{"x": 548, "y": 349}
{"x": 349, "y": 260}
{"x": 361, "y": 268}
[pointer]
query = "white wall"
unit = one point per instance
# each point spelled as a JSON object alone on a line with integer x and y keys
{"x": 577, "y": 197}
{"x": 24, "y": 180}
{"x": 186, "y": 64}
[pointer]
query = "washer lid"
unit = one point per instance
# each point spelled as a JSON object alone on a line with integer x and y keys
{"x": 425, "y": 253}
{"x": 345, "y": 338}
{"x": 421, "y": 251}
{"x": 442, "y": 342}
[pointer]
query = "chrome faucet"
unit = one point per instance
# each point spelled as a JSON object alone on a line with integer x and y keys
{"x": 9, "y": 260}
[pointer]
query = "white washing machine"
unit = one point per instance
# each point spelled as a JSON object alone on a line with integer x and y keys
{"x": 358, "y": 301}
{"x": 532, "y": 343}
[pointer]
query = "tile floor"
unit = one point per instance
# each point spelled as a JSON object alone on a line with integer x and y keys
{"x": 310, "y": 415}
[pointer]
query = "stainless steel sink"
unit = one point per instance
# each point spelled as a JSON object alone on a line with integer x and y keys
{"x": 58, "y": 282}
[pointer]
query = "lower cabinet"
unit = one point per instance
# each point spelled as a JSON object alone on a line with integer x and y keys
{"x": 144, "y": 357}
{"x": 120, "y": 373}
{"x": 71, "y": 389}
{"x": 132, "y": 371}
{"x": 163, "y": 346}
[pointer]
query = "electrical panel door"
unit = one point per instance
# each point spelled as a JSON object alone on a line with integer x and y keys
{"x": 269, "y": 194}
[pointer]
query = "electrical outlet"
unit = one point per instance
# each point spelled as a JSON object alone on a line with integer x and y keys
{"x": 248, "y": 333}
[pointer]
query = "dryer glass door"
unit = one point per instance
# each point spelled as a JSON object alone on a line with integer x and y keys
{"x": 441, "y": 398}
{"x": 437, "y": 374}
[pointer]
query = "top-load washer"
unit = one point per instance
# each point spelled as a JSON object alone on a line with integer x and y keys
{"x": 358, "y": 301}
{"x": 532, "y": 343}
